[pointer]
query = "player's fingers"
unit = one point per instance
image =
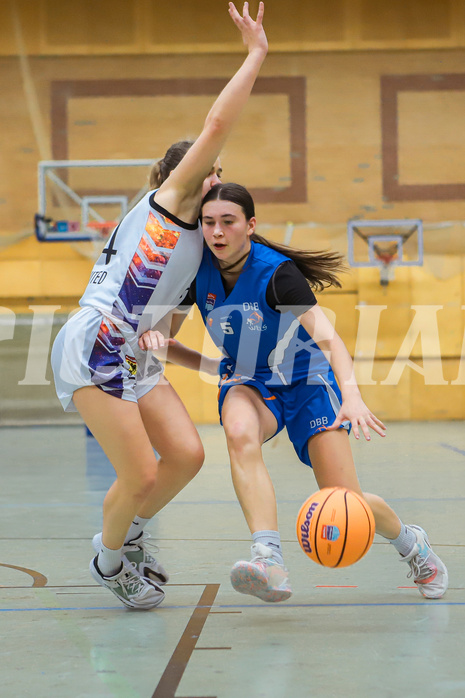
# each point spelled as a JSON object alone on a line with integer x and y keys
{"x": 160, "y": 339}
{"x": 378, "y": 422}
{"x": 375, "y": 424}
{"x": 147, "y": 343}
{"x": 245, "y": 11}
{"x": 364, "y": 428}
{"x": 260, "y": 13}
{"x": 379, "y": 430}
{"x": 335, "y": 425}
{"x": 234, "y": 14}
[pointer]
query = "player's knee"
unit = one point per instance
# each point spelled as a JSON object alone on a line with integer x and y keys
{"x": 187, "y": 456}
{"x": 239, "y": 436}
{"x": 142, "y": 482}
{"x": 194, "y": 458}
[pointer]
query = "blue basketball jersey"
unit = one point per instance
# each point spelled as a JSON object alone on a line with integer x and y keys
{"x": 261, "y": 343}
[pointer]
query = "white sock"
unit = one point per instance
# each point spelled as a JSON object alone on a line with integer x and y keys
{"x": 109, "y": 561}
{"x": 405, "y": 540}
{"x": 272, "y": 540}
{"x": 136, "y": 528}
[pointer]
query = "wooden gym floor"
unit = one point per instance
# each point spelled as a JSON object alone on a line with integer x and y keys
{"x": 359, "y": 632}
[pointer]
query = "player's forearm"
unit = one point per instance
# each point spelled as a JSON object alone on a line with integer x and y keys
{"x": 181, "y": 355}
{"x": 233, "y": 98}
{"x": 341, "y": 362}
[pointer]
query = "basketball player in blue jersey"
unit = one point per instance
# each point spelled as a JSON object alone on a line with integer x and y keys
{"x": 281, "y": 359}
{"x": 99, "y": 369}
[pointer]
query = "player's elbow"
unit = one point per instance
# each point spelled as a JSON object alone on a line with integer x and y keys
{"x": 216, "y": 126}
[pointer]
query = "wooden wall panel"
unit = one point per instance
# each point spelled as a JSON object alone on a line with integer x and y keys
{"x": 159, "y": 27}
{"x": 387, "y": 402}
{"x": 84, "y": 24}
{"x": 338, "y": 112}
{"x": 342, "y": 306}
{"x": 427, "y": 290}
{"x": 306, "y": 22}
{"x": 189, "y": 24}
{"x": 19, "y": 23}
{"x": 431, "y": 137}
{"x": 398, "y": 20}
{"x": 438, "y": 402}
{"x": 396, "y": 318}
{"x": 98, "y": 129}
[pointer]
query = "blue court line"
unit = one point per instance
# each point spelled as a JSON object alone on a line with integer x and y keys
{"x": 453, "y": 448}
{"x": 419, "y": 604}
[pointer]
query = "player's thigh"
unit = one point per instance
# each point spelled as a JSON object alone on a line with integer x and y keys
{"x": 332, "y": 460}
{"x": 118, "y": 427}
{"x": 244, "y": 407}
{"x": 168, "y": 424}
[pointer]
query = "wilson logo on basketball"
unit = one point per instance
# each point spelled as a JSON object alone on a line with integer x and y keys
{"x": 304, "y": 539}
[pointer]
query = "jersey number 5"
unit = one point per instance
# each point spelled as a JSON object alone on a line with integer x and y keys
{"x": 226, "y": 327}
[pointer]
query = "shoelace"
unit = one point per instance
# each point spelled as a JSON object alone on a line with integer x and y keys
{"x": 419, "y": 568}
{"x": 132, "y": 581}
{"x": 148, "y": 545}
{"x": 261, "y": 558}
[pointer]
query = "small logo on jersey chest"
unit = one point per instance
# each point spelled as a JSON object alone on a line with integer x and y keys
{"x": 210, "y": 302}
{"x": 255, "y": 322}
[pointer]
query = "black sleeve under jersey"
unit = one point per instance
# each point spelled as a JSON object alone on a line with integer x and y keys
{"x": 288, "y": 287}
{"x": 190, "y": 297}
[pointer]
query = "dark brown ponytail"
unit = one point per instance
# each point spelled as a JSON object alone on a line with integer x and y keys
{"x": 173, "y": 156}
{"x": 319, "y": 268}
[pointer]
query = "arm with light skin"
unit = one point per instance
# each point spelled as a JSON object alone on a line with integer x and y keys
{"x": 180, "y": 194}
{"x": 353, "y": 408}
{"x": 176, "y": 352}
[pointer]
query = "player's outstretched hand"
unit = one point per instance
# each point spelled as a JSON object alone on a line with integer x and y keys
{"x": 354, "y": 410}
{"x": 253, "y": 34}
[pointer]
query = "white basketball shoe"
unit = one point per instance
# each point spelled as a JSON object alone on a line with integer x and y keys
{"x": 428, "y": 571}
{"x": 137, "y": 552}
{"x": 263, "y": 576}
{"x": 129, "y": 587}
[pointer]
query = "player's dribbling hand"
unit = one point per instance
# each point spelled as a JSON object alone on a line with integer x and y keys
{"x": 253, "y": 34}
{"x": 355, "y": 411}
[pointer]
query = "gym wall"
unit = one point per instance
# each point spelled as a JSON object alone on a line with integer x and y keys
{"x": 358, "y": 112}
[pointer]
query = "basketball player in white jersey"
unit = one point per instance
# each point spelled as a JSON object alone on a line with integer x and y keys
{"x": 142, "y": 274}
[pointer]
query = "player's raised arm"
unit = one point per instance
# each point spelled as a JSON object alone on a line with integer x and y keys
{"x": 181, "y": 193}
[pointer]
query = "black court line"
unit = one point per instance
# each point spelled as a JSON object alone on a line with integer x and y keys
{"x": 171, "y": 677}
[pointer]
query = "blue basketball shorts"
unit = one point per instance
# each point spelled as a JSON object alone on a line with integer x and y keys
{"x": 304, "y": 409}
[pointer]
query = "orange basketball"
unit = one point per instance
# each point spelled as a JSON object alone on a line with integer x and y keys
{"x": 335, "y": 527}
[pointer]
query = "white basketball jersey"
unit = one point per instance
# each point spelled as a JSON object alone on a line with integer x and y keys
{"x": 145, "y": 268}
